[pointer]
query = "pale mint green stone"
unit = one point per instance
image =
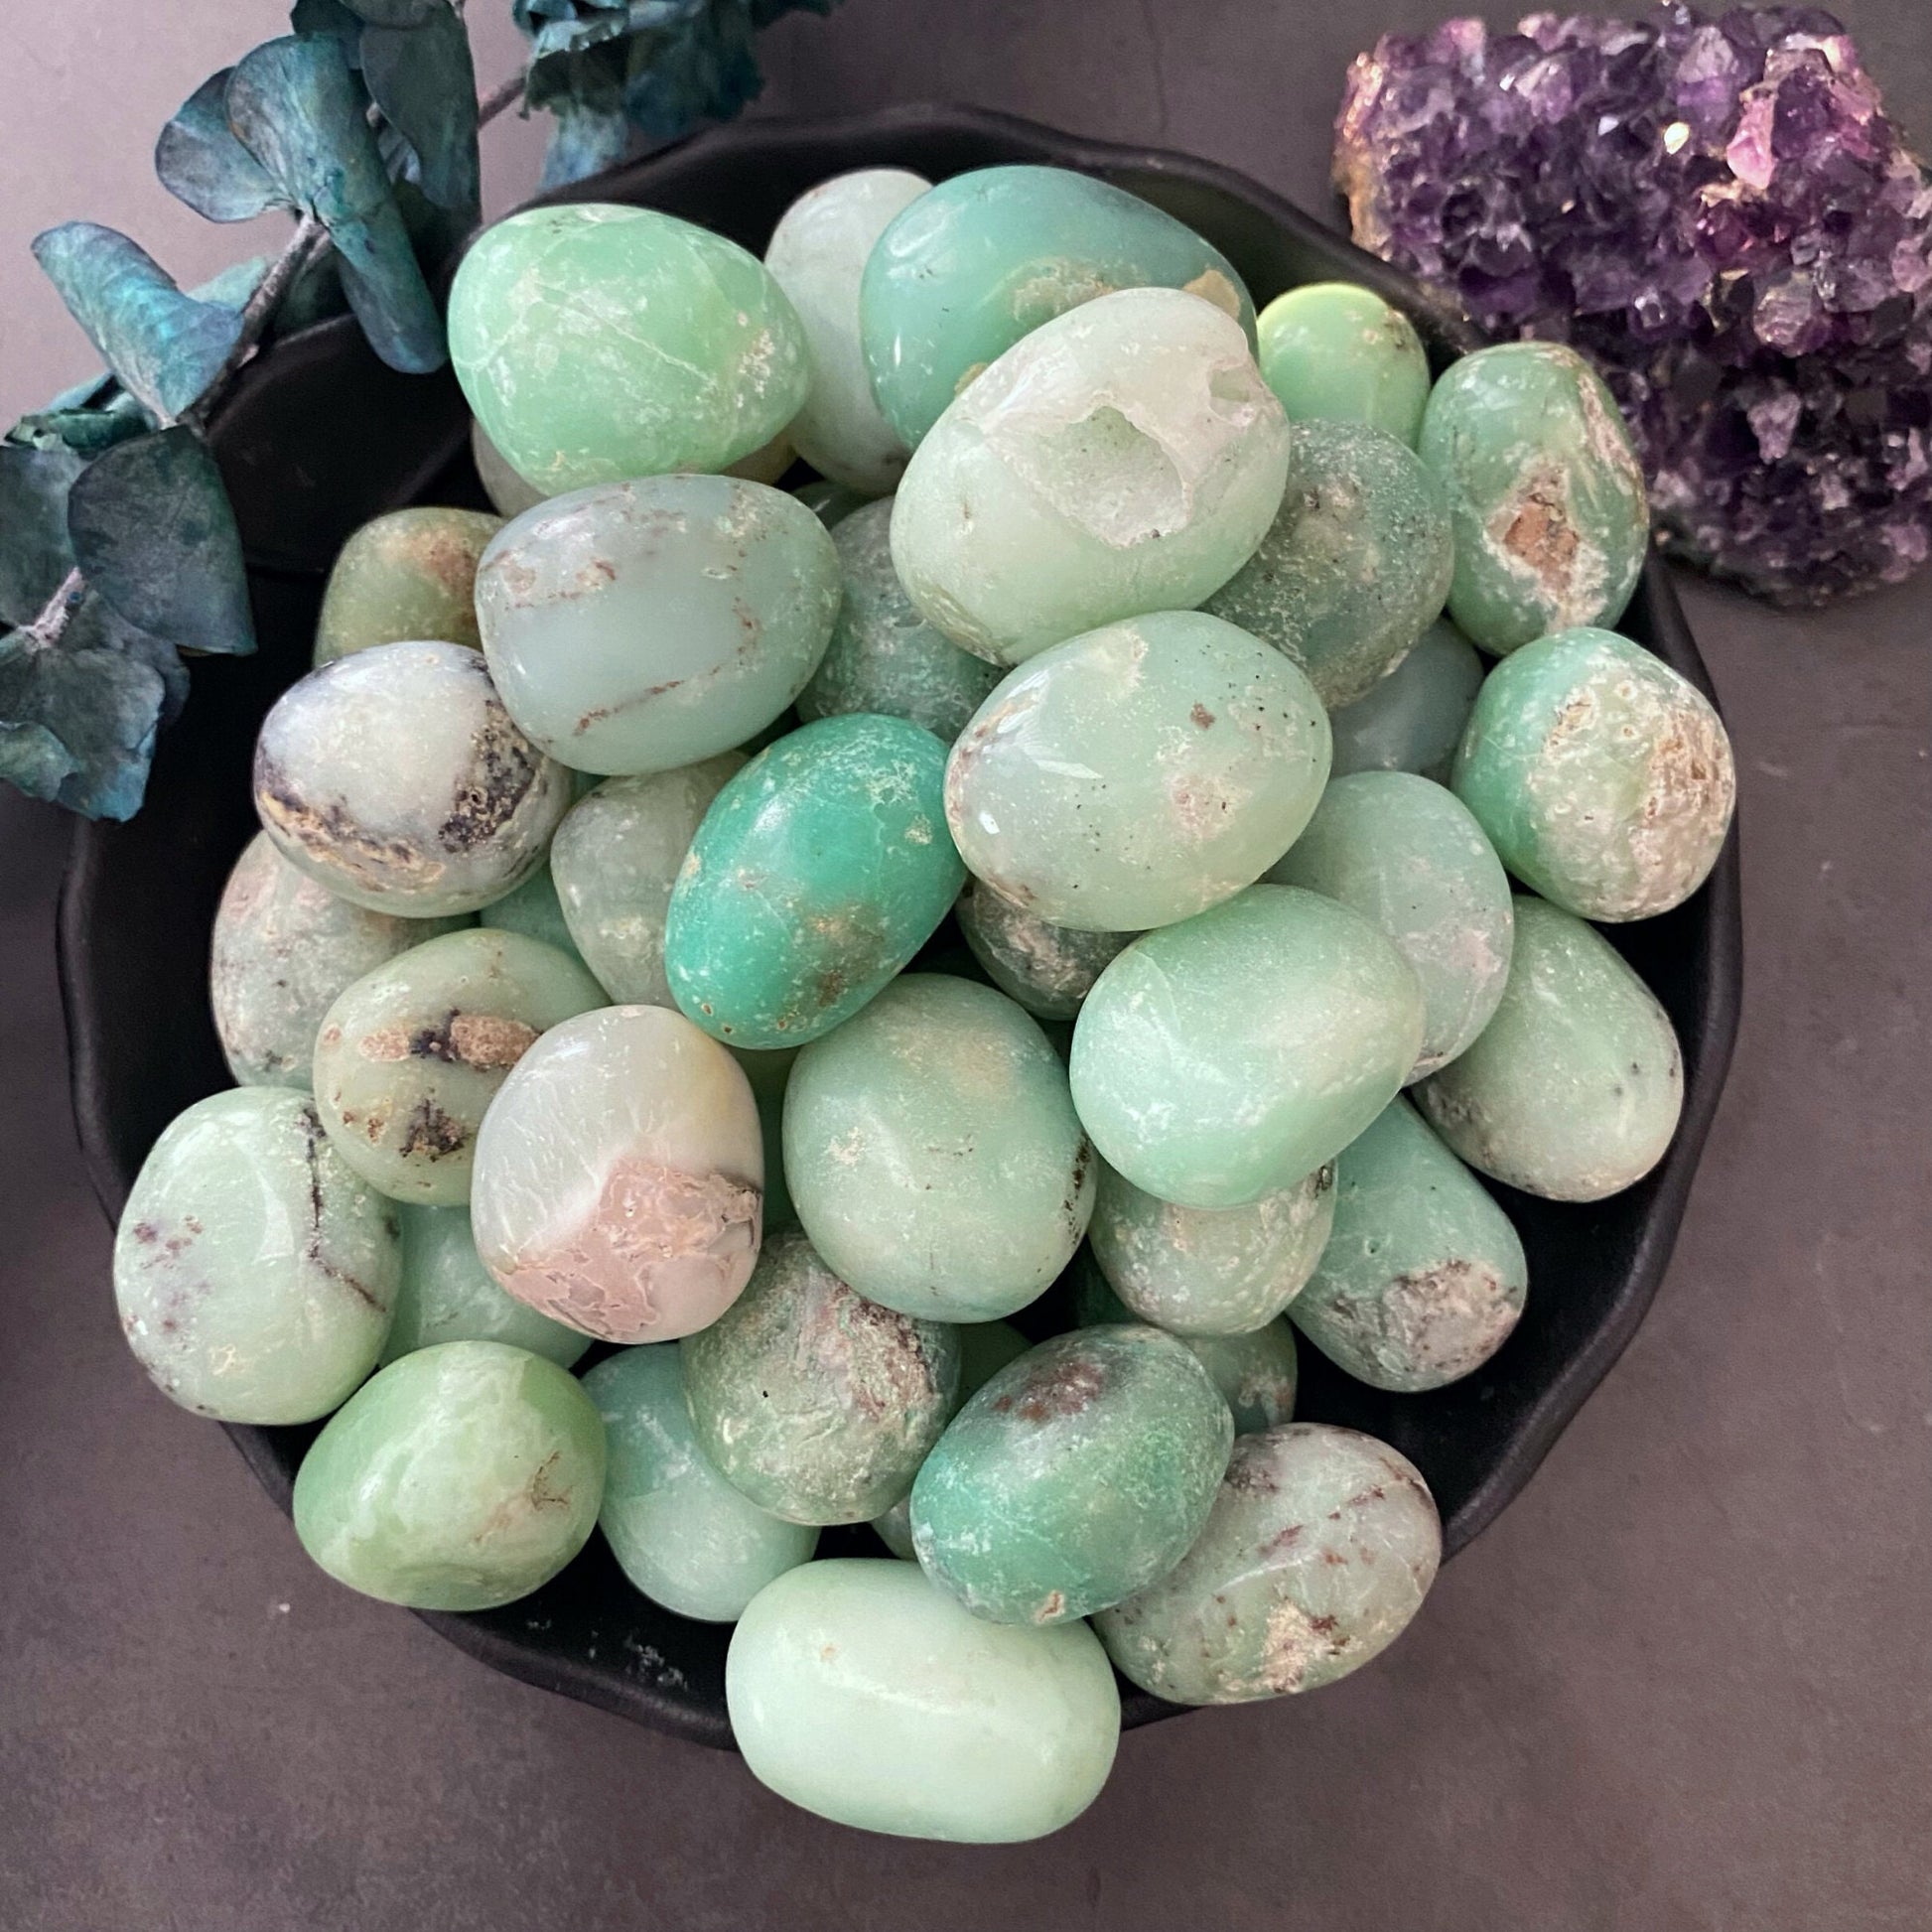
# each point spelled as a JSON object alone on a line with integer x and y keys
{"x": 1604, "y": 777}
{"x": 934, "y": 1154}
{"x": 1423, "y": 1278}
{"x": 410, "y": 574}
{"x": 1354, "y": 567}
{"x": 1049, "y": 969}
{"x": 895, "y": 1529}
{"x": 818, "y": 1404}
{"x": 884, "y": 656}
{"x": 1335, "y": 352}
{"x": 1321, "y": 1546}
{"x": 640, "y": 627}
{"x": 989, "y": 256}
{"x": 830, "y": 502}
{"x": 284, "y": 946}
{"x": 448, "y": 1295}
{"x": 1125, "y": 458}
{"x": 679, "y": 1531}
{"x": 1226, "y": 1057}
{"x": 1412, "y": 718}
{"x": 255, "y": 1274}
{"x": 397, "y": 779}
{"x": 1409, "y": 857}
{"x": 1139, "y": 774}
{"x": 817, "y": 255}
{"x": 458, "y": 1478}
{"x": 410, "y": 1055}
{"x": 1574, "y": 1089}
{"x": 861, "y": 1693}
{"x": 614, "y": 860}
{"x": 1209, "y": 1271}
{"x": 501, "y": 485}
{"x": 534, "y": 910}
{"x": 596, "y": 342}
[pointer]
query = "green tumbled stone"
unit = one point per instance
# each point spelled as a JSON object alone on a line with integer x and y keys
{"x": 448, "y": 1295}
{"x": 1412, "y": 718}
{"x": 1335, "y": 352}
{"x": 1574, "y": 1089}
{"x": 1604, "y": 777}
{"x": 987, "y": 257}
{"x": 501, "y": 485}
{"x": 1006, "y": 1735}
{"x": 818, "y": 1404}
{"x": 1321, "y": 1546}
{"x": 818, "y": 871}
{"x": 883, "y": 656}
{"x": 645, "y": 626}
{"x": 1411, "y": 859}
{"x": 1076, "y": 1477}
{"x": 1139, "y": 774}
{"x": 410, "y": 574}
{"x": 534, "y": 910}
{"x": 596, "y": 342}
{"x": 934, "y": 1154}
{"x": 1355, "y": 565}
{"x": 1423, "y": 1278}
{"x": 1049, "y": 969}
{"x": 1226, "y": 1057}
{"x": 254, "y": 1271}
{"x": 1552, "y": 519}
{"x": 817, "y": 255}
{"x": 411, "y": 1054}
{"x": 458, "y": 1478}
{"x": 1125, "y": 458}
{"x": 830, "y": 502}
{"x": 679, "y": 1531}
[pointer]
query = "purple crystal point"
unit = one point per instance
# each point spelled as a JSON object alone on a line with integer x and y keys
{"x": 1717, "y": 211}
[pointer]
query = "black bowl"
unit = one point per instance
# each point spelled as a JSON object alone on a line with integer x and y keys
{"x": 319, "y": 437}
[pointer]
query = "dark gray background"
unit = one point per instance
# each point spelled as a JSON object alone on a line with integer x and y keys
{"x": 1683, "y": 1682}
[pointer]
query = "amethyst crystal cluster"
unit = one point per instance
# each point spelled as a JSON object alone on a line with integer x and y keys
{"x": 1718, "y": 213}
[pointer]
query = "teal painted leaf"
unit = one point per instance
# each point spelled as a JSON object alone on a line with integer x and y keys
{"x": 200, "y": 161}
{"x": 326, "y": 16}
{"x": 584, "y": 141}
{"x": 424, "y": 81}
{"x": 155, "y": 535}
{"x": 94, "y": 625}
{"x": 35, "y": 554}
{"x": 86, "y": 429}
{"x": 397, "y": 13}
{"x": 165, "y": 347}
{"x": 77, "y": 721}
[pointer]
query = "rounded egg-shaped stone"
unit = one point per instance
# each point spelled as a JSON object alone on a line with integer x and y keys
{"x": 1412, "y": 720}
{"x": 410, "y": 574}
{"x": 535, "y": 910}
{"x": 1049, "y": 969}
{"x": 1335, "y": 352}
{"x": 501, "y": 485}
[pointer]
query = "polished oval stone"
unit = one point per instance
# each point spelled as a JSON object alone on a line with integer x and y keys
{"x": 619, "y": 1175}
{"x": 1604, "y": 777}
{"x": 1226, "y": 1057}
{"x": 934, "y": 1154}
{"x": 883, "y": 656}
{"x": 1412, "y": 720}
{"x": 284, "y": 946}
{"x": 1321, "y": 1547}
{"x": 397, "y": 779}
{"x": 411, "y": 1054}
{"x": 1423, "y": 1278}
{"x": 1355, "y": 565}
{"x": 254, "y": 1271}
{"x": 1410, "y": 857}
{"x": 986, "y": 258}
{"x": 1076, "y": 1477}
{"x": 816, "y": 1403}
{"x": 410, "y": 574}
{"x": 1336, "y": 353}
{"x": 1547, "y": 495}
{"x": 830, "y": 502}
{"x": 1125, "y": 458}
{"x": 644, "y": 625}
{"x": 614, "y": 860}
{"x": 818, "y": 871}
{"x": 534, "y": 910}
{"x": 1574, "y": 1089}
{"x": 1209, "y": 1271}
{"x": 1138, "y": 773}
{"x": 1049, "y": 969}
{"x": 678, "y": 1530}
{"x": 458, "y": 1478}
{"x": 817, "y": 255}
{"x": 448, "y": 1295}
{"x": 1011, "y": 1734}
{"x": 596, "y": 342}
{"x": 501, "y": 485}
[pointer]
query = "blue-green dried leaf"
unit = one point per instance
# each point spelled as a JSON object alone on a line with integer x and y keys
{"x": 326, "y": 17}
{"x": 77, "y": 725}
{"x": 86, "y": 431}
{"x": 584, "y": 141}
{"x": 424, "y": 81}
{"x": 35, "y": 554}
{"x": 397, "y": 13}
{"x": 165, "y": 347}
{"x": 155, "y": 535}
{"x": 94, "y": 625}
{"x": 90, "y": 393}
{"x": 699, "y": 67}
{"x": 200, "y": 161}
